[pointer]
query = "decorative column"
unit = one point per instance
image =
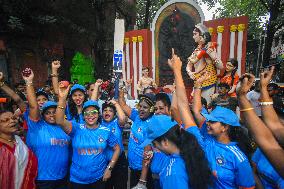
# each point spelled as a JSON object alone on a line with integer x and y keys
{"x": 233, "y": 30}
{"x": 134, "y": 62}
{"x": 210, "y": 30}
{"x": 241, "y": 28}
{"x": 140, "y": 50}
{"x": 127, "y": 58}
{"x": 220, "y": 30}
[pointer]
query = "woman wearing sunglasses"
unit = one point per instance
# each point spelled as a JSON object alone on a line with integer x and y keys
{"x": 47, "y": 140}
{"x": 90, "y": 167}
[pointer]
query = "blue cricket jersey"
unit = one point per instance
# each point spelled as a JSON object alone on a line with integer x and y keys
{"x": 50, "y": 145}
{"x": 230, "y": 166}
{"x": 137, "y": 136}
{"x": 270, "y": 179}
{"x": 159, "y": 161}
{"x": 88, "y": 160}
{"x": 117, "y": 131}
{"x": 174, "y": 175}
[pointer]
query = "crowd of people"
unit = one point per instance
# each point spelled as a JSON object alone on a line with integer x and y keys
{"x": 64, "y": 135}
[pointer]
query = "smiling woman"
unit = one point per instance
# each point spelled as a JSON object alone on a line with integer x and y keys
{"x": 14, "y": 152}
{"x": 90, "y": 167}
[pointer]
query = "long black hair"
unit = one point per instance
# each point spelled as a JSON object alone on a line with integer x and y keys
{"x": 72, "y": 106}
{"x": 191, "y": 152}
{"x": 234, "y": 62}
{"x": 244, "y": 142}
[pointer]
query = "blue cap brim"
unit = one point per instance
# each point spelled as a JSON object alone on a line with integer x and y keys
{"x": 209, "y": 117}
{"x": 146, "y": 143}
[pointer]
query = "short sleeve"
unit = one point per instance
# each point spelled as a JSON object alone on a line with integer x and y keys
{"x": 244, "y": 175}
{"x": 175, "y": 181}
{"x": 74, "y": 128}
{"x": 196, "y": 132}
{"x": 112, "y": 140}
{"x": 236, "y": 79}
{"x": 256, "y": 156}
{"x": 33, "y": 124}
{"x": 134, "y": 114}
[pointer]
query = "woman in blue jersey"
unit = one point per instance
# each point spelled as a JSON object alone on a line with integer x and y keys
{"x": 114, "y": 119}
{"x": 229, "y": 164}
{"x": 76, "y": 99}
{"x": 90, "y": 167}
{"x": 75, "y": 103}
{"x": 268, "y": 176}
{"x": 47, "y": 140}
{"x": 140, "y": 118}
{"x": 157, "y": 160}
{"x": 187, "y": 166}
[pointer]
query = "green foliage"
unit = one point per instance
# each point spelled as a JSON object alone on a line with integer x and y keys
{"x": 82, "y": 69}
{"x": 251, "y": 8}
{"x": 141, "y": 11}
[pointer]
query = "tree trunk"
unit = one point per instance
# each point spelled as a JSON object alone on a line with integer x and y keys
{"x": 274, "y": 12}
{"x": 103, "y": 45}
{"x": 147, "y": 14}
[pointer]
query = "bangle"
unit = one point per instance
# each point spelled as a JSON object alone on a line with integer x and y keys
{"x": 109, "y": 168}
{"x": 2, "y": 83}
{"x": 61, "y": 107}
{"x": 265, "y": 103}
{"x": 197, "y": 87}
{"x": 142, "y": 181}
{"x": 53, "y": 75}
{"x": 246, "y": 109}
{"x": 29, "y": 83}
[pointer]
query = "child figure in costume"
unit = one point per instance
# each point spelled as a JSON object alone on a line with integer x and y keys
{"x": 204, "y": 59}
{"x": 145, "y": 81}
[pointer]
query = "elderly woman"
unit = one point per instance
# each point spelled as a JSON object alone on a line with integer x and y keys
{"x": 18, "y": 164}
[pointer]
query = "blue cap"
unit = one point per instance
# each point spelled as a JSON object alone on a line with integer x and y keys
{"x": 90, "y": 103}
{"x": 223, "y": 115}
{"x": 77, "y": 87}
{"x": 157, "y": 126}
{"x": 48, "y": 104}
{"x": 41, "y": 92}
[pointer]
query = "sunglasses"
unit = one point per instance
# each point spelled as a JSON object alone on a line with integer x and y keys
{"x": 90, "y": 113}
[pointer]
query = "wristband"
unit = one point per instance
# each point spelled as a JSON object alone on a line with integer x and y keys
{"x": 265, "y": 103}
{"x": 61, "y": 107}
{"x": 53, "y": 75}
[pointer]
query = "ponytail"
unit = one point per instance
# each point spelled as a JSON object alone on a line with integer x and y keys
{"x": 191, "y": 152}
{"x": 238, "y": 134}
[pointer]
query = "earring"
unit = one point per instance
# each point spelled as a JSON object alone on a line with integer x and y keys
{"x": 152, "y": 109}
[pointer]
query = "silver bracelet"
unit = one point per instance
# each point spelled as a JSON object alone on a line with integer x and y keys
{"x": 265, "y": 103}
